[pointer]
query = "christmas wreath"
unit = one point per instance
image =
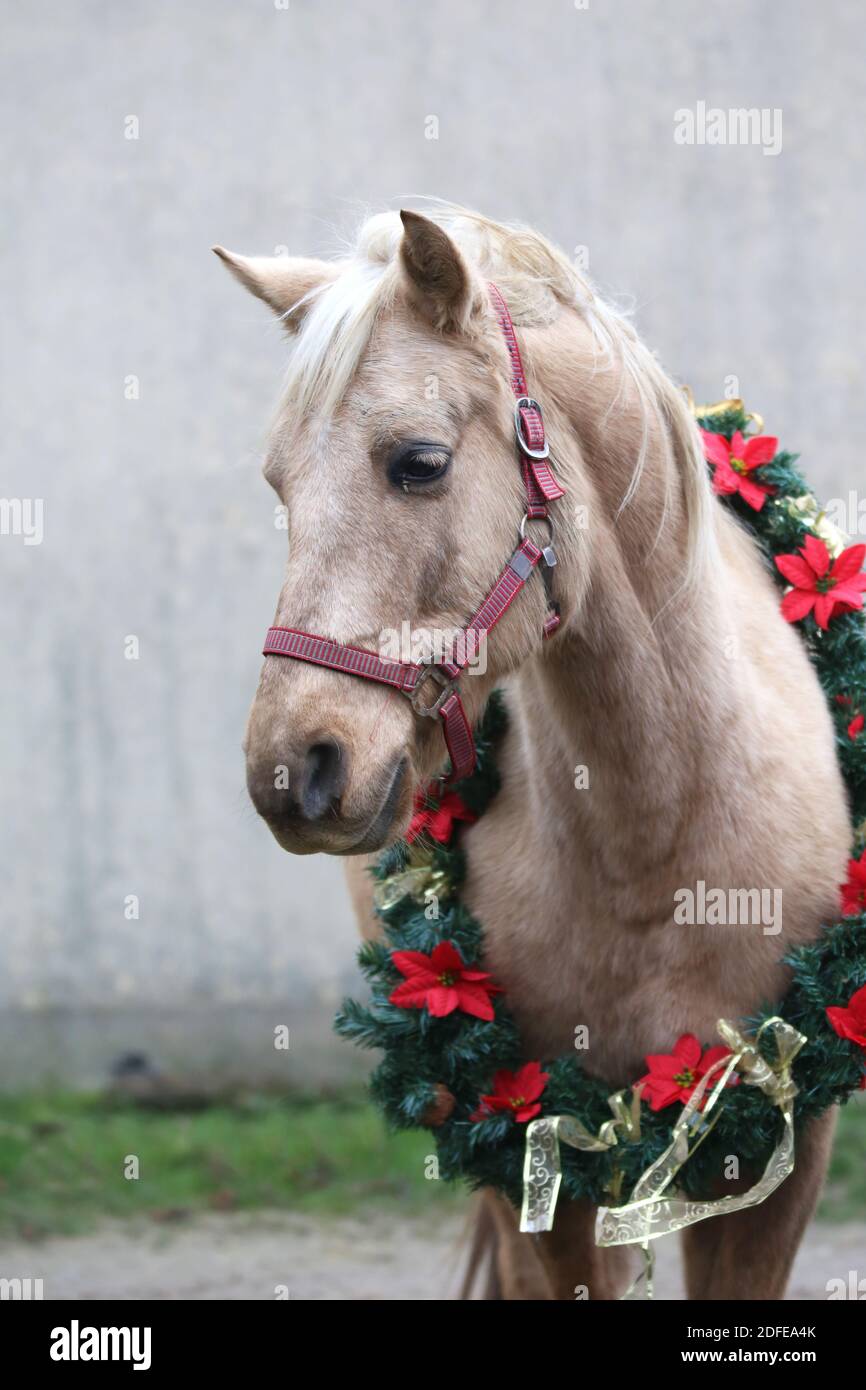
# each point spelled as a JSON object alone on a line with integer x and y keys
{"x": 453, "y": 1060}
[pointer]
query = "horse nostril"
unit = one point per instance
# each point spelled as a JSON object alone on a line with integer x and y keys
{"x": 324, "y": 777}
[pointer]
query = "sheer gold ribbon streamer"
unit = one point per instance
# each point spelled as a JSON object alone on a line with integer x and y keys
{"x": 649, "y": 1214}
{"x": 542, "y": 1170}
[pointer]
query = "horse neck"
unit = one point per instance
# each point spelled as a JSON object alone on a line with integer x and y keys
{"x": 613, "y": 707}
{"x": 632, "y": 682}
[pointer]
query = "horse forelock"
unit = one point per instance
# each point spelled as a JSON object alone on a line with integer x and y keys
{"x": 533, "y": 275}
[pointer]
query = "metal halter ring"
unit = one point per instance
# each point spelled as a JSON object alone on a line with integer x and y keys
{"x": 528, "y": 403}
{"x": 546, "y": 519}
{"x": 441, "y": 679}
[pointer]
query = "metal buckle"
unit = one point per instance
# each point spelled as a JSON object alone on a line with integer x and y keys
{"x": 528, "y": 403}
{"x": 548, "y": 553}
{"x": 441, "y": 679}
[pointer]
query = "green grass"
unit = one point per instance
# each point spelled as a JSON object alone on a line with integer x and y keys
{"x": 62, "y": 1161}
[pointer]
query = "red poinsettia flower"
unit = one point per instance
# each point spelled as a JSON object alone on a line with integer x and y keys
{"x": 674, "y": 1076}
{"x": 443, "y": 983}
{"x": 516, "y": 1091}
{"x": 828, "y": 590}
{"x": 855, "y": 728}
{"x": 850, "y": 1022}
{"x": 735, "y": 460}
{"x": 437, "y": 819}
{"x": 854, "y": 888}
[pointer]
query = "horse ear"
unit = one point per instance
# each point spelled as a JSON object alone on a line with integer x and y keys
{"x": 283, "y": 282}
{"x": 436, "y": 272}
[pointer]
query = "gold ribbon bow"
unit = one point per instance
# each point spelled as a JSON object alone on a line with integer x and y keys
{"x": 419, "y": 880}
{"x": 648, "y": 1214}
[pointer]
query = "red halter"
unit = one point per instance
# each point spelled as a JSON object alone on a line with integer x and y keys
{"x": 410, "y": 677}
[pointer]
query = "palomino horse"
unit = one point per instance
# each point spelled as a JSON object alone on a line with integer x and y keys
{"x": 672, "y": 679}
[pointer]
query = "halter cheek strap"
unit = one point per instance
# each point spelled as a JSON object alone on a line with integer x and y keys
{"x": 439, "y": 679}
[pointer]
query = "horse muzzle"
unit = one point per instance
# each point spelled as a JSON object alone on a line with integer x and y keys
{"x": 306, "y": 796}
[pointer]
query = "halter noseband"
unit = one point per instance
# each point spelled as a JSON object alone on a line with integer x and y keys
{"x": 443, "y": 700}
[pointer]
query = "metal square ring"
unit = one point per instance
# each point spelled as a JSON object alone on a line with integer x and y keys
{"x": 431, "y": 710}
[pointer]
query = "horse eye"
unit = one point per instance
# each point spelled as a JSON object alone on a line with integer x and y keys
{"x": 417, "y": 464}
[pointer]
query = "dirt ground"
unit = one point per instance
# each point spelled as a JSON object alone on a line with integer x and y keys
{"x": 385, "y": 1256}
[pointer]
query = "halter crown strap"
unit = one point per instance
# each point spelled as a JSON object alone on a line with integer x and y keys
{"x": 541, "y": 485}
{"x": 432, "y": 688}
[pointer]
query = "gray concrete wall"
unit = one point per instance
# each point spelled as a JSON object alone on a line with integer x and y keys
{"x": 260, "y": 127}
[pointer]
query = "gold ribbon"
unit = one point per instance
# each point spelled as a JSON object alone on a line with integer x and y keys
{"x": 807, "y": 509}
{"x": 419, "y": 883}
{"x": 719, "y": 409}
{"x": 419, "y": 880}
{"x": 542, "y": 1169}
{"x": 648, "y": 1214}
